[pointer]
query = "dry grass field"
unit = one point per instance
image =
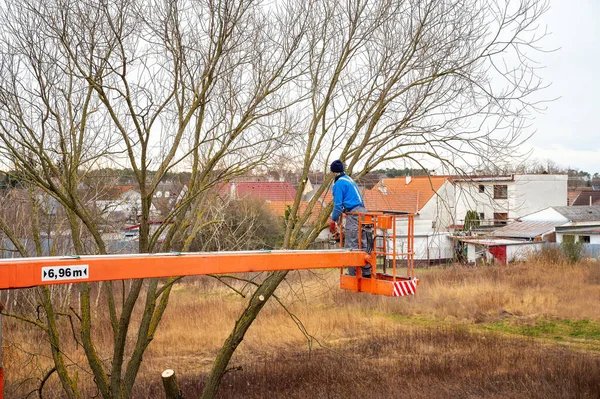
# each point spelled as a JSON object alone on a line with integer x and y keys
{"x": 527, "y": 330}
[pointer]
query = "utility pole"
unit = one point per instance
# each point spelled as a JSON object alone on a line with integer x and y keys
{"x": 1, "y": 368}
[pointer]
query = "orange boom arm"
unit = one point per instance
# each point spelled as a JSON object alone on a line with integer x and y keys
{"x": 30, "y": 272}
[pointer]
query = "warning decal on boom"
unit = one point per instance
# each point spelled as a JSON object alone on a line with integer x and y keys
{"x": 75, "y": 272}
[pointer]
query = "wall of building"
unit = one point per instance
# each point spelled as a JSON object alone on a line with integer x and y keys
{"x": 594, "y": 238}
{"x": 433, "y": 248}
{"x": 515, "y": 253}
{"x": 545, "y": 215}
{"x": 438, "y": 212}
{"x": 536, "y": 192}
{"x": 467, "y": 197}
{"x": 526, "y": 194}
{"x": 479, "y": 253}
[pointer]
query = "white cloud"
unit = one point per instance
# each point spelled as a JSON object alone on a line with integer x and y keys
{"x": 586, "y": 160}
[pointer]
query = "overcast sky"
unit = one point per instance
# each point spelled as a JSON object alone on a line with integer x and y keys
{"x": 569, "y": 131}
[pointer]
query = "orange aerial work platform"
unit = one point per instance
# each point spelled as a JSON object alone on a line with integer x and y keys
{"x": 380, "y": 231}
{"x": 381, "y": 228}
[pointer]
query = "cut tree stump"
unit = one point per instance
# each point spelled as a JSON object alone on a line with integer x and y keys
{"x": 169, "y": 380}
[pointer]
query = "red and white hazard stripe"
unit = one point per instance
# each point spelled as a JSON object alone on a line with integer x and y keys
{"x": 405, "y": 287}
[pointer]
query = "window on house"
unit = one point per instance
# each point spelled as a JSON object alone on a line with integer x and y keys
{"x": 481, "y": 216}
{"x": 481, "y": 188}
{"x": 500, "y": 191}
{"x": 500, "y": 219}
{"x": 584, "y": 239}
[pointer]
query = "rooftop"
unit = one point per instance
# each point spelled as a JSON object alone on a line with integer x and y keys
{"x": 416, "y": 191}
{"x": 586, "y": 198}
{"x": 377, "y": 201}
{"x": 527, "y": 229}
{"x": 278, "y": 208}
{"x": 114, "y": 192}
{"x": 492, "y": 242}
{"x": 579, "y": 213}
{"x": 265, "y": 190}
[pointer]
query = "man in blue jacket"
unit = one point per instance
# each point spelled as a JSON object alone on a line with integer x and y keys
{"x": 347, "y": 198}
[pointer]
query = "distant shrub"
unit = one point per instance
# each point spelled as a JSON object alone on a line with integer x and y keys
{"x": 571, "y": 249}
{"x": 547, "y": 255}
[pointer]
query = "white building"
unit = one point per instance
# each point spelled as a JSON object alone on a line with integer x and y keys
{"x": 501, "y": 198}
{"x": 580, "y": 221}
{"x": 502, "y": 251}
{"x": 122, "y": 203}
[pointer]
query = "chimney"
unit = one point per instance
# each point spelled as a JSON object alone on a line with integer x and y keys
{"x": 408, "y": 180}
{"x": 232, "y": 191}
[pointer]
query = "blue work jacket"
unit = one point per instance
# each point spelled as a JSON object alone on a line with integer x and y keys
{"x": 346, "y": 196}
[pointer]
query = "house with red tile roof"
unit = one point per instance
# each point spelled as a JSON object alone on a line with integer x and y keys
{"x": 573, "y": 193}
{"x": 277, "y": 195}
{"x": 380, "y": 199}
{"x": 279, "y": 208}
{"x": 586, "y": 198}
{"x": 430, "y": 198}
{"x": 417, "y": 190}
{"x": 264, "y": 190}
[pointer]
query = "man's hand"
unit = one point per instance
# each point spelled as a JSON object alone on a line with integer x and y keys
{"x": 332, "y": 226}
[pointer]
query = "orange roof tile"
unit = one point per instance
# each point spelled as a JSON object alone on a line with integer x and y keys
{"x": 416, "y": 193}
{"x": 376, "y": 201}
{"x": 399, "y": 197}
{"x": 279, "y": 207}
{"x": 574, "y": 193}
{"x": 114, "y": 192}
{"x": 269, "y": 191}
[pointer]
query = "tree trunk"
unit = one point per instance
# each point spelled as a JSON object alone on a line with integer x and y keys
{"x": 258, "y": 300}
{"x": 170, "y": 384}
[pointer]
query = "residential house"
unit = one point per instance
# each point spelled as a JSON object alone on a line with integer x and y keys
{"x": 573, "y": 193}
{"x": 121, "y": 203}
{"x": 430, "y": 199}
{"x": 498, "y": 199}
{"x": 265, "y": 190}
{"x": 519, "y": 238}
{"x": 166, "y": 195}
{"x": 278, "y": 197}
{"x": 570, "y": 220}
{"x": 500, "y": 250}
{"x": 589, "y": 234}
{"x": 586, "y": 198}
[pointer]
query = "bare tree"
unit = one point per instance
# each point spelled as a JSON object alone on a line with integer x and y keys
{"x": 151, "y": 86}
{"x": 220, "y": 87}
{"x": 447, "y": 81}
